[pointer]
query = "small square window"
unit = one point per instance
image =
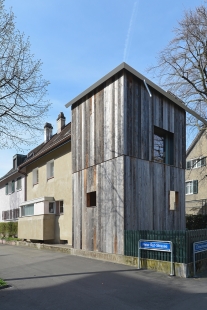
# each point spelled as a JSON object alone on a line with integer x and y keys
{"x": 50, "y": 169}
{"x": 91, "y": 199}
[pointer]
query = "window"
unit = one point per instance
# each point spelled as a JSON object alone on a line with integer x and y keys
{"x": 91, "y": 199}
{"x": 191, "y": 187}
{"x": 11, "y": 187}
{"x": 51, "y": 207}
{"x": 10, "y": 214}
{"x": 173, "y": 200}
{"x": 19, "y": 183}
{"x": 59, "y": 207}
{"x": 35, "y": 176}
{"x": 28, "y": 210}
{"x": 196, "y": 163}
{"x": 6, "y": 189}
{"x": 50, "y": 169}
{"x": 163, "y": 146}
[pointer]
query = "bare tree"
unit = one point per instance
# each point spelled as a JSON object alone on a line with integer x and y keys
{"x": 22, "y": 87}
{"x": 182, "y": 65}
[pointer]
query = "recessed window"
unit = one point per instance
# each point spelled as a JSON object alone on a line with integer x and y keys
{"x": 173, "y": 200}
{"x": 51, "y": 207}
{"x": 50, "y": 169}
{"x": 163, "y": 146}
{"x": 19, "y": 183}
{"x": 91, "y": 199}
{"x": 196, "y": 163}
{"x": 35, "y": 176}
{"x": 191, "y": 187}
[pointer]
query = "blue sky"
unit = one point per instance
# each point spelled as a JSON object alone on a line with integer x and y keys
{"x": 80, "y": 41}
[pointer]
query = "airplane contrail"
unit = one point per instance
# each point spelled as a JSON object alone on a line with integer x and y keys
{"x": 127, "y": 42}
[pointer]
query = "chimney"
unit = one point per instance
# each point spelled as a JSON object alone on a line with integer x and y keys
{"x": 60, "y": 122}
{"x": 47, "y": 132}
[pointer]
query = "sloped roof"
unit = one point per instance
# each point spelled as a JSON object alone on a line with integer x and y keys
{"x": 45, "y": 147}
{"x": 8, "y": 174}
{"x": 193, "y": 143}
{"x": 124, "y": 65}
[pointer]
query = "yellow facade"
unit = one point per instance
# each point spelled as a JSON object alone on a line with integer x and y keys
{"x": 60, "y": 188}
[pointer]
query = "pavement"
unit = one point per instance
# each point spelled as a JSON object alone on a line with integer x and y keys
{"x": 42, "y": 279}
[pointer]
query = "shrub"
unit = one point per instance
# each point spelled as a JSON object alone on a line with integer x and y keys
{"x": 196, "y": 221}
{"x": 9, "y": 228}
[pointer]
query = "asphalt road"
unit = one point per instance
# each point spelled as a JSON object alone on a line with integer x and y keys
{"x": 43, "y": 279}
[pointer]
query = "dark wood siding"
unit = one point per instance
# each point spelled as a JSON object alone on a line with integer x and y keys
{"x": 143, "y": 113}
{"x": 146, "y": 192}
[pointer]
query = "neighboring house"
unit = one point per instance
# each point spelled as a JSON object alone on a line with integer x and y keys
{"x": 46, "y": 213}
{"x": 12, "y": 191}
{"x": 196, "y": 175}
{"x": 128, "y": 160}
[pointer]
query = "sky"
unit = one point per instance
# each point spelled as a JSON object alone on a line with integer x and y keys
{"x": 80, "y": 41}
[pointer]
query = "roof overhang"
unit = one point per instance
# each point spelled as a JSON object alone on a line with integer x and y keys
{"x": 142, "y": 77}
{"x": 41, "y": 199}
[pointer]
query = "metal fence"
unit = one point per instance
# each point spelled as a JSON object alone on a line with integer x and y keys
{"x": 195, "y": 207}
{"x": 182, "y": 244}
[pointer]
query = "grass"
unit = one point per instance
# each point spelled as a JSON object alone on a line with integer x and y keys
{"x": 2, "y": 282}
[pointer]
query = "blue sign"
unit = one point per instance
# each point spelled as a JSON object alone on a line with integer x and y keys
{"x": 200, "y": 246}
{"x": 155, "y": 245}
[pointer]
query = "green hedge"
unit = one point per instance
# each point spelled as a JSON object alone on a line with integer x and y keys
{"x": 9, "y": 228}
{"x": 196, "y": 221}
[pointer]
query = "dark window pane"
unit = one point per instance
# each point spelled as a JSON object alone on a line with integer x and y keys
{"x": 159, "y": 148}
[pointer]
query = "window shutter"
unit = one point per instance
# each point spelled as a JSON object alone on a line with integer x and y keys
{"x": 195, "y": 187}
{"x": 33, "y": 176}
{"x": 188, "y": 165}
{"x": 203, "y": 161}
{"x": 13, "y": 187}
{"x": 6, "y": 189}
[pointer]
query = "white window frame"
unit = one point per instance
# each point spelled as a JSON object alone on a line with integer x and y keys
{"x": 50, "y": 169}
{"x": 197, "y": 162}
{"x": 191, "y": 187}
{"x": 35, "y": 176}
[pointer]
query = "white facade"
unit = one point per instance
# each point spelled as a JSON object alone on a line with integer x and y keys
{"x": 11, "y": 199}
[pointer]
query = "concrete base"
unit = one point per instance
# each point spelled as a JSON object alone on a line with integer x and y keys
{"x": 180, "y": 269}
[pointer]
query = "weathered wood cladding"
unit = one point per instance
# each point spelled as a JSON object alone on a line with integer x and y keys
{"x": 142, "y": 113}
{"x": 102, "y": 227}
{"x": 146, "y": 195}
{"x": 112, "y": 154}
{"x": 97, "y": 125}
{"x": 118, "y": 118}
